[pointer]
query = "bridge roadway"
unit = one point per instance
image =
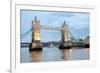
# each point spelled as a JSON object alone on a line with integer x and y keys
{"x": 74, "y": 44}
{"x": 25, "y": 44}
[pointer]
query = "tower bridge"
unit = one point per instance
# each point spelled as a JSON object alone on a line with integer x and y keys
{"x": 36, "y": 44}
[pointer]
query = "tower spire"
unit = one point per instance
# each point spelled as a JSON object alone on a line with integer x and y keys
{"x": 35, "y": 18}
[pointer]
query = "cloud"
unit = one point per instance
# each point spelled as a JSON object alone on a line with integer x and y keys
{"x": 79, "y": 21}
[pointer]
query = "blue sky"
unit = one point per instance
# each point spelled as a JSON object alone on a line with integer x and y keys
{"x": 78, "y": 23}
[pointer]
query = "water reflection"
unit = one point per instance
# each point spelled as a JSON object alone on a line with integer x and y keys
{"x": 65, "y": 54}
{"x": 54, "y": 54}
{"x": 87, "y": 51}
{"x": 35, "y": 56}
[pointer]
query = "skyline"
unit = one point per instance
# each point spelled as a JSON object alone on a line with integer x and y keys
{"x": 78, "y": 23}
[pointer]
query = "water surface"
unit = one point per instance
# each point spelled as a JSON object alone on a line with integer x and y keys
{"x": 54, "y": 54}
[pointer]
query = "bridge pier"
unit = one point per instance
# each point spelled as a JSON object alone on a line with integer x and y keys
{"x": 35, "y": 46}
{"x": 66, "y": 45}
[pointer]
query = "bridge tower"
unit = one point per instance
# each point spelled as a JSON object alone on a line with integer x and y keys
{"x": 65, "y": 40}
{"x": 35, "y": 44}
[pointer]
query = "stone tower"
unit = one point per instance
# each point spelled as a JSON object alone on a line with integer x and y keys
{"x": 35, "y": 44}
{"x": 64, "y": 33}
{"x": 65, "y": 40}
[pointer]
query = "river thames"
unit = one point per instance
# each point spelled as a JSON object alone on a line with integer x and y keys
{"x": 54, "y": 54}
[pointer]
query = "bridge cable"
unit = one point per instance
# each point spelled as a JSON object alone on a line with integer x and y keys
{"x": 24, "y": 34}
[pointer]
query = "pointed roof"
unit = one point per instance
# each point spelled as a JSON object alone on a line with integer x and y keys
{"x": 35, "y": 18}
{"x": 64, "y": 23}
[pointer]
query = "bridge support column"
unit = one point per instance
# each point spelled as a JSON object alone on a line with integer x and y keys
{"x": 35, "y": 45}
{"x": 65, "y": 40}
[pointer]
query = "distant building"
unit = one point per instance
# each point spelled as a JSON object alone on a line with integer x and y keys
{"x": 87, "y": 40}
